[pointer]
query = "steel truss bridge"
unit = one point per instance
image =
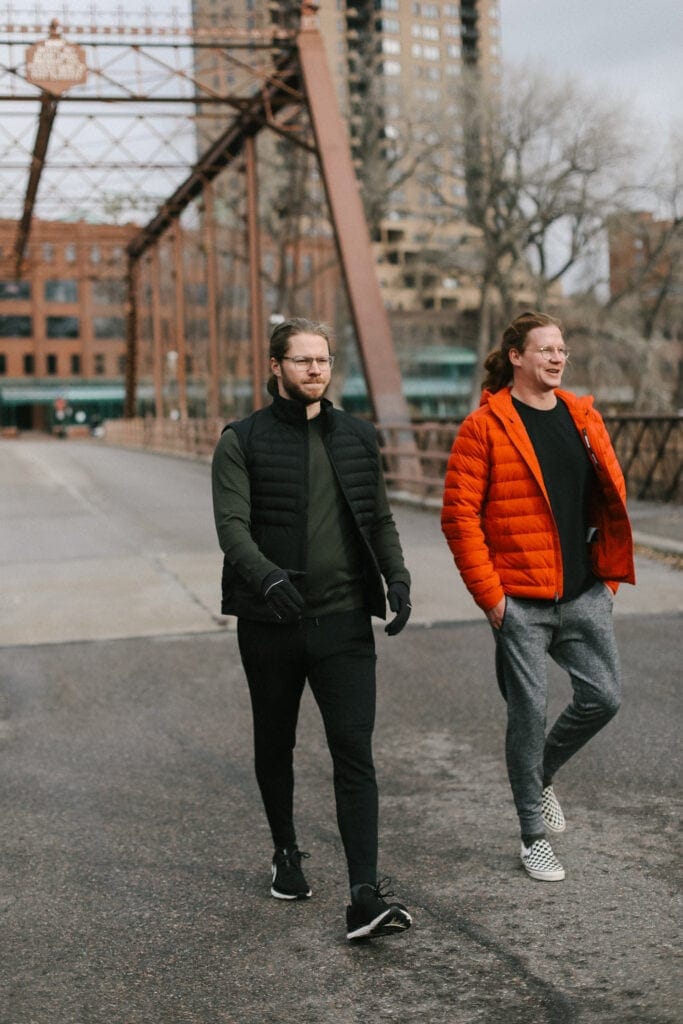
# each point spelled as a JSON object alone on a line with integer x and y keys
{"x": 114, "y": 135}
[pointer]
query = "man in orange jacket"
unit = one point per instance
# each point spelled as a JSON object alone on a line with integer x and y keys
{"x": 534, "y": 513}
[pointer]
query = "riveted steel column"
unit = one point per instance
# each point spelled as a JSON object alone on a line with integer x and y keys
{"x": 370, "y": 318}
{"x": 213, "y": 381}
{"x": 157, "y": 342}
{"x": 181, "y": 373}
{"x": 256, "y": 299}
{"x": 132, "y": 276}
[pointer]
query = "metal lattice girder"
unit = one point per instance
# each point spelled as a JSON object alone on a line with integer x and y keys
{"x": 48, "y": 109}
{"x": 280, "y": 92}
{"x": 377, "y": 352}
{"x": 159, "y": 74}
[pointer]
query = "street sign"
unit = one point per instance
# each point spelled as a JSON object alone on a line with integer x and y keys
{"x": 55, "y": 65}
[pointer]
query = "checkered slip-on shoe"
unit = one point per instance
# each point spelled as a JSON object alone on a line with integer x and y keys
{"x": 553, "y": 818}
{"x": 539, "y": 861}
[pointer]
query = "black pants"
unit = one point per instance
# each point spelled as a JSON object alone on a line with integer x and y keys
{"x": 336, "y": 653}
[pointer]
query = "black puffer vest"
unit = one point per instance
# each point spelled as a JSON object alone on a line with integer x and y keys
{"x": 275, "y": 445}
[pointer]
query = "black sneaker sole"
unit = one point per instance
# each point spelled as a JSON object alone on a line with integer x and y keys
{"x": 291, "y": 895}
{"x": 391, "y": 922}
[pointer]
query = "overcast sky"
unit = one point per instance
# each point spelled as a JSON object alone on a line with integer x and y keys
{"x": 634, "y": 47}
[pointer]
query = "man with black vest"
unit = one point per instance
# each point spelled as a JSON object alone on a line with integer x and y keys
{"x": 307, "y": 533}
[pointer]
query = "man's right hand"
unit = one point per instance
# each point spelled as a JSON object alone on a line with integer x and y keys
{"x": 282, "y": 597}
{"x": 496, "y": 614}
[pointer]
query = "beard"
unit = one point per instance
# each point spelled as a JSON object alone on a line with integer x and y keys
{"x": 306, "y": 392}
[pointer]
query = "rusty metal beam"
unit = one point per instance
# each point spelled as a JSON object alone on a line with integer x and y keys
{"x": 213, "y": 384}
{"x": 276, "y": 94}
{"x": 179, "y": 304}
{"x": 370, "y": 318}
{"x": 255, "y": 291}
{"x": 48, "y": 109}
{"x": 157, "y": 338}
{"x": 132, "y": 280}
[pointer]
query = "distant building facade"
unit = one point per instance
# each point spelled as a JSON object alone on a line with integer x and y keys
{"x": 645, "y": 260}
{"x": 62, "y": 324}
{"x": 396, "y": 66}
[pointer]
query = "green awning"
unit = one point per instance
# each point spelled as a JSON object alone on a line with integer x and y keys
{"x": 73, "y": 393}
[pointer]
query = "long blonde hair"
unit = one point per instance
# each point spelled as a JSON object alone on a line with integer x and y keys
{"x": 498, "y": 366}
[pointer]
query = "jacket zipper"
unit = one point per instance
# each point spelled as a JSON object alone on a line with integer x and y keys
{"x": 593, "y": 457}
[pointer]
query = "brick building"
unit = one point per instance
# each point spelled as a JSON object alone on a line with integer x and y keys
{"x": 62, "y": 324}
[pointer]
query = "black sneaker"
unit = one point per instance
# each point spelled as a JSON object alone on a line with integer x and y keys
{"x": 288, "y": 878}
{"x": 371, "y": 915}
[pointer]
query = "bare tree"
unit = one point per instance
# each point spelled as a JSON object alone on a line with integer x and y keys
{"x": 646, "y": 249}
{"x": 544, "y": 164}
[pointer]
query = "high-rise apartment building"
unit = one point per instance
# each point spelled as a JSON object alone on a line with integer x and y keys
{"x": 397, "y": 66}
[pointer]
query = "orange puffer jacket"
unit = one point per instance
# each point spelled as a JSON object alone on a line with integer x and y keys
{"x": 496, "y": 512}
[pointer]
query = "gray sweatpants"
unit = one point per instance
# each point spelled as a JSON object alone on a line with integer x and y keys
{"x": 579, "y": 636}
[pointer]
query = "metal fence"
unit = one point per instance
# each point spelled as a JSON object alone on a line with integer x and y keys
{"x": 649, "y": 448}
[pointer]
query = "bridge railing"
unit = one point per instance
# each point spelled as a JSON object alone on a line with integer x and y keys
{"x": 193, "y": 437}
{"x": 649, "y": 448}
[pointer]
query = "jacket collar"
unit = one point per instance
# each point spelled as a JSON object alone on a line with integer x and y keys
{"x": 295, "y": 412}
{"x": 500, "y": 402}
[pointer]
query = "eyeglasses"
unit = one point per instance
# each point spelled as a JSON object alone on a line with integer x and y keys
{"x": 550, "y": 352}
{"x": 306, "y": 362}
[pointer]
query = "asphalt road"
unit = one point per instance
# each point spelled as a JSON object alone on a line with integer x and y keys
{"x": 134, "y": 859}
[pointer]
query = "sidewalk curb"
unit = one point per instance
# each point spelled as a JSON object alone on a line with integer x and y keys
{"x": 665, "y": 545}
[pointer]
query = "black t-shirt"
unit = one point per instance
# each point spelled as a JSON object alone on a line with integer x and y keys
{"x": 568, "y": 475}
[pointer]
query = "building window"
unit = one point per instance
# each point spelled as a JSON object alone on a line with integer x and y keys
{"x": 70, "y": 253}
{"x": 452, "y": 30}
{"x": 387, "y": 5}
{"x": 391, "y": 67}
{"x": 425, "y": 31}
{"x": 391, "y": 46}
{"x": 16, "y": 327}
{"x": 100, "y": 364}
{"x": 29, "y": 364}
{"x": 48, "y": 252}
{"x": 431, "y": 73}
{"x": 109, "y": 291}
{"x": 425, "y": 52}
{"x": 15, "y": 289}
{"x": 3, "y": 364}
{"x": 121, "y": 364}
{"x": 453, "y": 50}
{"x": 109, "y": 327}
{"x": 450, "y": 11}
{"x": 426, "y": 10}
{"x": 196, "y": 293}
{"x": 61, "y": 291}
{"x": 63, "y": 327}
{"x": 75, "y": 364}
{"x": 51, "y": 364}
{"x": 390, "y": 25}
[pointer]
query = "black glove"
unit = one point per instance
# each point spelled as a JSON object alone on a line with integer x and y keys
{"x": 399, "y": 602}
{"x": 282, "y": 597}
